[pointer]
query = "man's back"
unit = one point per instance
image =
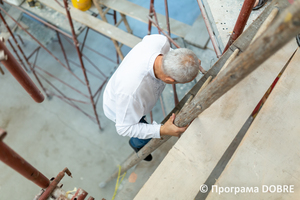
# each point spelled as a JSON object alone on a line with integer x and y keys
{"x": 133, "y": 89}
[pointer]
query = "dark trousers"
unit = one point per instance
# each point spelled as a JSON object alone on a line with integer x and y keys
{"x": 139, "y": 143}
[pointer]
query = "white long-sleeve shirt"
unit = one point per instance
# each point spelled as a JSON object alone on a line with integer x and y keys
{"x": 133, "y": 89}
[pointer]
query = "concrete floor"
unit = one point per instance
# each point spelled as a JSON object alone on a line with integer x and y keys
{"x": 53, "y": 135}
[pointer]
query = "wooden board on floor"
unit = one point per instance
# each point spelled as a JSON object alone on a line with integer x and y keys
{"x": 192, "y": 159}
{"x": 140, "y": 13}
{"x": 269, "y": 153}
{"x": 96, "y": 24}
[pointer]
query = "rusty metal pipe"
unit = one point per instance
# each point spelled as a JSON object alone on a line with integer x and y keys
{"x": 115, "y": 22}
{"x": 54, "y": 184}
{"x": 20, "y": 38}
{"x": 37, "y": 49}
{"x": 80, "y": 194}
{"x": 16, "y": 53}
{"x": 241, "y": 22}
{"x": 81, "y": 61}
{"x": 13, "y": 37}
{"x": 1, "y": 71}
{"x": 167, "y": 17}
{"x": 176, "y": 101}
{"x": 150, "y": 13}
{"x": 12, "y": 65}
{"x": 63, "y": 50}
{"x": 209, "y": 30}
{"x": 15, "y": 161}
{"x": 84, "y": 40}
{"x": 155, "y": 17}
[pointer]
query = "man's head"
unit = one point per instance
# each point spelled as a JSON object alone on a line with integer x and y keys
{"x": 181, "y": 65}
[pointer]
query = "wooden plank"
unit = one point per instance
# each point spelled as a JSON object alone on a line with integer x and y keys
{"x": 53, "y": 17}
{"x": 269, "y": 152}
{"x": 96, "y": 24}
{"x": 140, "y": 13}
{"x": 193, "y": 157}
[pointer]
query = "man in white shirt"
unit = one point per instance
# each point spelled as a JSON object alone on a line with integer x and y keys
{"x": 136, "y": 85}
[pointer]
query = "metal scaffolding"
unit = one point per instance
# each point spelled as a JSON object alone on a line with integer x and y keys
{"x": 49, "y": 187}
{"x": 41, "y": 74}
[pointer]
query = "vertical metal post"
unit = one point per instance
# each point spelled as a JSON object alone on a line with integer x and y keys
{"x": 15, "y": 161}
{"x": 209, "y": 30}
{"x": 85, "y": 36}
{"x": 241, "y": 22}
{"x": 15, "y": 40}
{"x": 167, "y": 17}
{"x": 115, "y": 21}
{"x": 155, "y": 17}
{"x": 81, "y": 61}
{"x": 169, "y": 32}
{"x": 150, "y": 14}
{"x": 63, "y": 50}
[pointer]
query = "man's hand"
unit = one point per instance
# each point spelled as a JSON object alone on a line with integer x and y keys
{"x": 170, "y": 129}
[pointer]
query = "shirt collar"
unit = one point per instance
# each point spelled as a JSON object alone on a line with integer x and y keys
{"x": 151, "y": 63}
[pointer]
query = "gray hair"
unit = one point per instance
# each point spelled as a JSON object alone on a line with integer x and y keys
{"x": 180, "y": 64}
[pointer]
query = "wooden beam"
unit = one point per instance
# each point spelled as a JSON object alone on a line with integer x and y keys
{"x": 230, "y": 59}
{"x": 96, "y": 24}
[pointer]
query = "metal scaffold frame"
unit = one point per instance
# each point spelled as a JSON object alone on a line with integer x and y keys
{"x": 92, "y": 98}
{"x": 50, "y": 187}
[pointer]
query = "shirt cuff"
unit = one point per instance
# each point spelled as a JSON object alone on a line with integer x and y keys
{"x": 157, "y": 132}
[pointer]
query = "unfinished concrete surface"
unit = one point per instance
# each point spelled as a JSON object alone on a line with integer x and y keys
{"x": 53, "y": 135}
